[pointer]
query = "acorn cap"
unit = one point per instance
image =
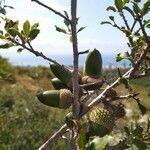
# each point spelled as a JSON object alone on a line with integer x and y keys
{"x": 56, "y": 98}
{"x": 102, "y": 117}
{"x": 66, "y": 98}
{"x": 92, "y": 83}
{"x": 62, "y": 74}
{"x": 58, "y": 84}
{"x": 93, "y": 64}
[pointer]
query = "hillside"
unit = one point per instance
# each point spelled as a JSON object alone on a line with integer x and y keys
{"x": 25, "y": 123}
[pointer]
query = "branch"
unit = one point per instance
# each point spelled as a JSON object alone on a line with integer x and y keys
{"x": 53, "y": 138}
{"x": 76, "y": 104}
{"x": 128, "y": 75}
{"x": 84, "y": 52}
{"x": 138, "y": 62}
{"x": 51, "y": 9}
{"x": 143, "y": 29}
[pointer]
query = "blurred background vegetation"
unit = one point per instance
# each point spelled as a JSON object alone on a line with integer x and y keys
{"x": 25, "y": 123}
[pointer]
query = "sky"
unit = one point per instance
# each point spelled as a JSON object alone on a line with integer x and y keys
{"x": 108, "y": 40}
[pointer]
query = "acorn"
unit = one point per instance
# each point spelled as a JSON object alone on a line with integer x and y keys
{"x": 58, "y": 84}
{"x": 56, "y": 98}
{"x": 93, "y": 64}
{"x": 92, "y": 83}
{"x": 62, "y": 74}
{"x": 101, "y": 122}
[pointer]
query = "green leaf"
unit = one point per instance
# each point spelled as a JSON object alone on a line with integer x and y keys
{"x": 124, "y": 55}
{"x": 34, "y": 26}
{"x": 119, "y": 4}
{"x": 66, "y": 22}
{"x": 126, "y": 129}
{"x": 111, "y": 18}
{"x": 146, "y": 8}
{"x": 125, "y": 82}
{"x": 82, "y": 28}
{"x": 105, "y": 22}
{"x": 33, "y": 34}
{"x": 61, "y": 30}
{"x": 126, "y": 1}
{"x": 136, "y": 8}
{"x": 139, "y": 144}
{"x": 137, "y": 1}
{"x": 19, "y": 50}
{"x": 14, "y": 32}
{"x": 112, "y": 8}
{"x": 26, "y": 28}
{"x": 6, "y": 45}
{"x": 148, "y": 25}
{"x": 3, "y": 11}
{"x": 2, "y": 37}
{"x": 82, "y": 139}
{"x": 69, "y": 121}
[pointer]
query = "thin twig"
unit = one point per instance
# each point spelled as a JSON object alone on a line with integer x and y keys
{"x": 51, "y": 9}
{"x": 84, "y": 52}
{"x": 130, "y": 30}
{"x": 53, "y": 138}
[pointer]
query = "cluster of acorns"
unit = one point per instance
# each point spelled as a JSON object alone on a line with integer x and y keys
{"x": 62, "y": 96}
{"x": 100, "y": 120}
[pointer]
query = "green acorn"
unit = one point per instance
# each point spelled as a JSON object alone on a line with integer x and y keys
{"x": 58, "y": 84}
{"x": 62, "y": 74}
{"x": 92, "y": 83}
{"x": 56, "y": 98}
{"x": 93, "y": 64}
{"x": 101, "y": 122}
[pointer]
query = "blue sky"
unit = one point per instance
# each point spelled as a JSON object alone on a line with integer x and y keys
{"x": 106, "y": 39}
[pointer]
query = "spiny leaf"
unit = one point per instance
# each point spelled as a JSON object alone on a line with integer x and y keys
{"x": 66, "y": 22}
{"x": 146, "y": 7}
{"x": 34, "y": 33}
{"x": 105, "y": 22}
{"x": 2, "y": 37}
{"x": 14, "y": 32}
{"x": 112, "y": 8}
{"x": 82, "y": 28}
{"x": 6, "y": 45}
{"x": 126, "y": 129}
{"x": 26, "y": 28}
{"x": 148, "y": 25}
{"x": 61, "y": 30}
{"x": 111, "y": 18}
{"x": 119, "y": 5}
{"x": 140, "y": 144}
{"x": 69, "y": 121}
{"x": 136, "y": 8}
{"x": 19, "y": 50}
{"x": 125, "y": 82}
{"x": 34, "y": 26}
{"x": 82, "y": 139}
